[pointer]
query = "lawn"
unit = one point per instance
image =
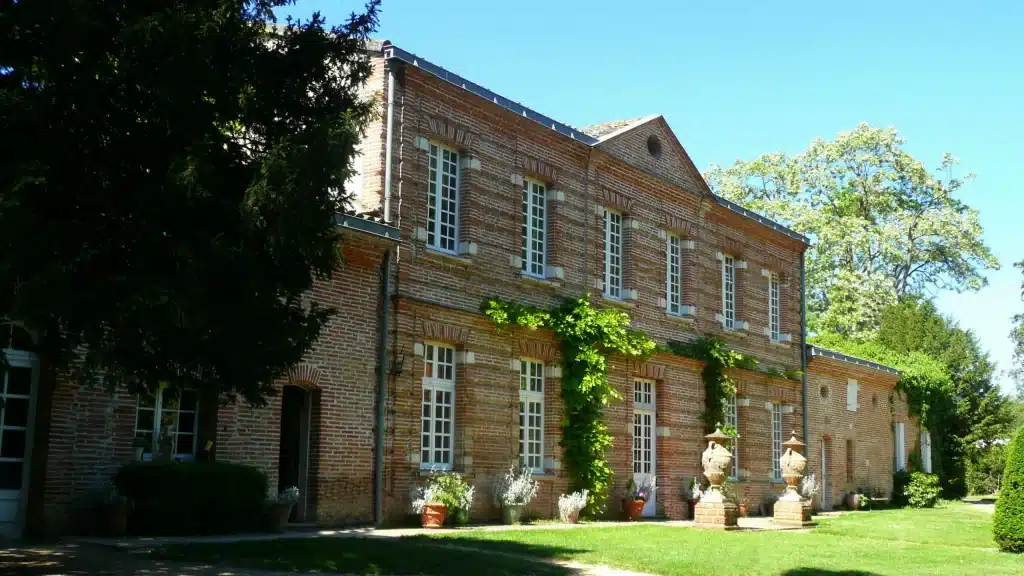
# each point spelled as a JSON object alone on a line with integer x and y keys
{"x": 955, "y": 539}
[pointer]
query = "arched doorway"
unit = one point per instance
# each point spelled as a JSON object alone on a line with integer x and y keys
{"x": 18, "y": 393}
{"x": 294, "y": 449}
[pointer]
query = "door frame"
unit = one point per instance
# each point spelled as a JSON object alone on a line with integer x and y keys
{"x": 651, "y": 506}
{"x": 24, "y": 359}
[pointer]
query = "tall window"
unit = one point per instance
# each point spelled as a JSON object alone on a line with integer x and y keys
{"x": 443, "y": 199}
{"x": 732, "y": 419}
{"x": 926, "y": 451}
{"x": 643, "y": 426}
{"x": 776, "y": 441}
{"x": 168, "y": 421}
{"x": 612, "y": 254}
{"x": 773, "y": 307}
{"x": 673, "y": 275}
{"x": 531, "y": 415}
{"x": 900, "y": 448}
{"x": 534, "y": 227}
{"x": 729, "y": 291}
{"x": 438, "y": 406}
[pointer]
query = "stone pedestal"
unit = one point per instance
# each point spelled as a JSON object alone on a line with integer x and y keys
{"x": 792, "y": 513}
{"x": 719, "y": 515}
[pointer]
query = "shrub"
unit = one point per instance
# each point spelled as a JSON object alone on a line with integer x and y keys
{"x": 985, "y": 469}
{"x": 569, "y": 506}
{"x": 1008, "y": 523}
{"x": 516, "y": 488}
{"x": 923, "y": 491}
{"x": 447, "y": 489}
{"x": 175, "y": 498}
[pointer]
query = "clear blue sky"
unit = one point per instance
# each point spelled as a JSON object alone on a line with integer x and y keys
{"x": 735, "y": 80}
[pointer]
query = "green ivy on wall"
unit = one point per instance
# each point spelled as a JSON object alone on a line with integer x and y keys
{"x": 588, "y": 336}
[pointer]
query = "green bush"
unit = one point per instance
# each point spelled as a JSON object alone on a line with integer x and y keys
{"x": 1008, "y": 523}
{"x": 985, "y": 470}
{"x": 923, "y": 491}
{"x": 174, "y": 498}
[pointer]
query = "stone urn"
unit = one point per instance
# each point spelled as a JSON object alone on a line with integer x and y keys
{"x": 793, "y": 465}
{"x": 716, "y": 460}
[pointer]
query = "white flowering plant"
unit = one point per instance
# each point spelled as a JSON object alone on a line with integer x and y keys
{"x": 517, "y": 488}
{"x": 448, "y": 489}
{"x": 570, "y": 505}
{"x": 809, "y": 487}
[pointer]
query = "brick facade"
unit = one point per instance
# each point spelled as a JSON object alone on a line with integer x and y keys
{"x": 436, "y": 298}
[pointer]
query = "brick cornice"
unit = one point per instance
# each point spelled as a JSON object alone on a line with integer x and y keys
{"x": 539, "y": 350}
{"x": 678, "y": 225}
{"x": 732, "y": 247}
{"x": 449, "y": 131}
{"x": 444, "y": 333}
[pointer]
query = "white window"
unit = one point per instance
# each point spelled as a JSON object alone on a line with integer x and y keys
{"x": 612, "y": 254}
{"x": 926, "y": 451}
{"x": 732, "y": 419}
{"x": 643, "y": 426}
{"x": 729, "y": 291}
{"x": 774, "y": 325}
{"x": 852, "y": 388}
{"x": 534, "y": 227}
{"x": 168, "y": 421}
{"x": 673, "y": 275}
{"x": 438, "y": 406}
{"x": 901, "y": 446}
{"x": 531, "y": 415}
{"x": 443, "y": 199}
{"x": 776, "y": 441}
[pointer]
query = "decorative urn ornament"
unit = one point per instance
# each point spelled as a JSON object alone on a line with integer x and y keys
{"x": 793, "y": 465}
{"x": 717, "y": 460}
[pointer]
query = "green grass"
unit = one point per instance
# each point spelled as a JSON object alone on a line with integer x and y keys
{"x": 954, "y": 539}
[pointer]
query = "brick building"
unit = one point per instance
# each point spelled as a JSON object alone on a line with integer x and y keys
{"x": 476, "y": 196}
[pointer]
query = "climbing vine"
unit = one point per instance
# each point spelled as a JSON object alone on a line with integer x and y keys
{"x": 718, "y": 387}
{"x": 588, "y": 336}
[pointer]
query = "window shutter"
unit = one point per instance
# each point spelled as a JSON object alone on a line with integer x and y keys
{"x": 851, "y": 395}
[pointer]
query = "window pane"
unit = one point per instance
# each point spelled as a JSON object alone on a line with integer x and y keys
{"x": 186, "y": 422}
{"x": 186, "y": 444}
{"x": 10, "y": 475}
{"x": 144, "y": 419}
{"x": 19, "y": 380}
{"x": 13, "y": 444}
{"x": 16, "y": 412}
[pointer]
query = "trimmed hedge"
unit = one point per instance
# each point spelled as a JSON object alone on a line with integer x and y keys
{"x": 182, "y": 498}
{"x": 1008, "y": 523}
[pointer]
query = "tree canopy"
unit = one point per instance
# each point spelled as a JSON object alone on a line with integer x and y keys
{"x": 171, "y": 176}
{"x": 882, "y": 225}
{"x": 1017, "y": 337}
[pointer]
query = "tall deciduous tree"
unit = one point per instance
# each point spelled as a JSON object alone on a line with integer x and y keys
{"x": 1017, "y": 336}
{"x": 170, "y": 177}
{"x": 882, "y": 225}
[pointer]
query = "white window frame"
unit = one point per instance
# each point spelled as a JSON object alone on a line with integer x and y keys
{"x": 900, "y": 448}
{"x": 613, "y": 253}
{"x": 732, "y": 418}
{"x": 644, "y": 405}
{"x": 531, "y": 398}
{"x": 438, "y": 383}
{"x": 159, "y": 411}
{"x": 674, "y": 275}
{"x": 776, "y": 441}
{"x": 535, "y": 228}
{"x": 441, "y": 157}
{"x": 774, "y": 312}
{"x": 728, "y": 292}
{"x": 926, "y": 451}
{"x": 852, "y": 391}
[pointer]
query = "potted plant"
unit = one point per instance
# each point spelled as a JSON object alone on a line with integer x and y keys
{"x": 569, "y": 506}
{"x": 513, "y": 492}
{"x": 443, "y": 495}
{"x": 809, "y": 489}
{"x": 463, "y": 494}
{"x": 428, "y": 506}
{"x": 117, "y": 508}
{"x": 280, "y": 508}
{"x": 692, "y": 493}
{"x": 637, "y": 496}
{"x": 863, "y": 502}
{"x": 139, "y": 446}
{"x": 768, "y": 503}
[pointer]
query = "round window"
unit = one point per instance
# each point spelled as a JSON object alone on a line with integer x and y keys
{"x": 654, "y": 146}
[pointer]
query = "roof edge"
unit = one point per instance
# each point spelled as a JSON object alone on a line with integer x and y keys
{"x": 813, "y": 350}
{"x": 763, "y": 220}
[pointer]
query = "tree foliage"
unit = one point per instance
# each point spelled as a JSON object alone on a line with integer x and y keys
{"x": 1008, "y": 522}
{"x": 171, "y": 175}
{"x": 1017, "y": 337}
{"x": 882, "y": 225}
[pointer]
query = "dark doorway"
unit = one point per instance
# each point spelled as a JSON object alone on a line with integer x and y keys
{"x": 293, "y": 462}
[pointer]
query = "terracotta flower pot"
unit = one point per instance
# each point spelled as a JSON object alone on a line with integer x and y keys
{"x": 743, "y": 510}
{"x": 433, "y": 515}
{"x": 634, "y": 508}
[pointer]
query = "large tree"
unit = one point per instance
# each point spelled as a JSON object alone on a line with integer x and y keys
{"x": 882, "y": 225}
{"x": 171, "y": 171}
{"x": 1017, "y": 337}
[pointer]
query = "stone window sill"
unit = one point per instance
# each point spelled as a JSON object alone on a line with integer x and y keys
{"x": 538, "y": 281}
{"x": 435, "y": 254}
{"x": 617, "y": 301}
{"x": 681, "y": 318}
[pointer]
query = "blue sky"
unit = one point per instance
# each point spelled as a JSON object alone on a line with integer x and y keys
{"x": 738, "y": 79}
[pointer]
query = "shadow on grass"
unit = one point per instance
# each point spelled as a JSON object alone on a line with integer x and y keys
{"x": 411, "y": 555}
{"x": 822, "y": 572}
